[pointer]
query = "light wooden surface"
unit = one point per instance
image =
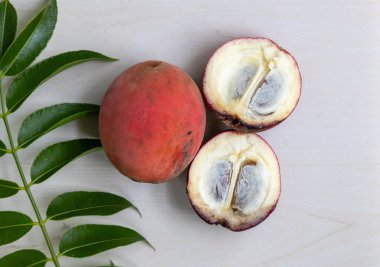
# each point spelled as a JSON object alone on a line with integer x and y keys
{"x": 329, "y": 149}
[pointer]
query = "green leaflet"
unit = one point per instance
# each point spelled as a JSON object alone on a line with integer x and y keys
{"x": 25, "y": 84}
{"x": 82, "y": 203}
{"x": 31, "y": 41}
{"x": 8, "y": 25}
{"x": 53, "y": 158}
{"x": 47, "y": 119}
{"x": 16, "y": 56}
{"x": 13, "y": 226}
{"x": 8, "y": 188}
{"x": 24, "y": 258}
{"x": 90, "y": 239}
{"x": 2, "y": 148}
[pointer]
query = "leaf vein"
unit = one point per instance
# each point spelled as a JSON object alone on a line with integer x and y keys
{"x": 88, "y": 208}
{"x": 26, "y": 94}
{"x": 16, "y": 225}
{"x": 101, "y": 242}
{"x": 22, "y": 48}
{"x": 59, "y": 166}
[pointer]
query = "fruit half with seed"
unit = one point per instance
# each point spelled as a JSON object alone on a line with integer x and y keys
{"x": 234, "y": 181}
{"x": 252, "y": 84}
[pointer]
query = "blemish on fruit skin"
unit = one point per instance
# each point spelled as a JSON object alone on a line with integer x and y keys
{"x": 235, "y": 122}
{"x": 189, "y": 132}
{"x": 177, "y": 166}
{"x": 187, "y": 149}
{"x": 240, "y": 126}
{"x": 183, "y": 157}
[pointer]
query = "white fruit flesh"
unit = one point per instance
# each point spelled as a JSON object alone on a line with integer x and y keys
{"x": 234, "y": 180}
{"x": 252, "y": 79}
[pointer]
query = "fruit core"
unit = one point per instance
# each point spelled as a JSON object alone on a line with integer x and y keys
{"x": 231, "y": 184}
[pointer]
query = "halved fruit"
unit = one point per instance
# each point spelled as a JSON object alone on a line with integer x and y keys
{"x": 234, "y": 180}
{"x": 252, "y": 83}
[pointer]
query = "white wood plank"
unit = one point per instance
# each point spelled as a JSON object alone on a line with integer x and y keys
{"x": 329, "y": 149}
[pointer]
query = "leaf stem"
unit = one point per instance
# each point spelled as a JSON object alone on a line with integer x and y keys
{"x": 25, "y": 183}
{"x": 5, "y": 150}
{"x": 13, "y": 187}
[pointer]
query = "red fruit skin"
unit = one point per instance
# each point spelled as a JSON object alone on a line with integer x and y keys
{"x": 152, "y": 121}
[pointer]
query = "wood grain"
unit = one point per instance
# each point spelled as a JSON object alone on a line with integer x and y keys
{"x": 329, "y": 149}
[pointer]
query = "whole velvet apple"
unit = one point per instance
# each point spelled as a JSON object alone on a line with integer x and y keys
{"x": 152, "y": 121}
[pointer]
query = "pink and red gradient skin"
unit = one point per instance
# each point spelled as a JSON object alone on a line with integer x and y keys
{"x": 234, "y": 122}
{"x": 152, "y": 121}
{"x": 225, "y": 224}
